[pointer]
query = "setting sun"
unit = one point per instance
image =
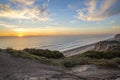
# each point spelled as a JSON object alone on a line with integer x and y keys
{"x": 20, "y": 35}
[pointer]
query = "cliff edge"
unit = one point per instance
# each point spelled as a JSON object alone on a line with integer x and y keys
{"x": 117, "y": 36}
{"x": 109, "y": 45}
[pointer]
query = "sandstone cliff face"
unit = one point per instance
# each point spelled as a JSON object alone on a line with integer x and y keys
{"x": 117, "y": 36}
{"x": 109, "y": 45}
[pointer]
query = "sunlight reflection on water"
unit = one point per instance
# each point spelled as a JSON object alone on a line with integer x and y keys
{"x": 54, "y": 43}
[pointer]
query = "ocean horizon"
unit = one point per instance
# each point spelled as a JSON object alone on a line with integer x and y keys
{"x": 60, "y": 43}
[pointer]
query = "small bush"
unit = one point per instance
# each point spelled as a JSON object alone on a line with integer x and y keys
{"x": 71, "y": 62}
{"x": 10, "y": 50}
{"x": 82, "y": 60}
{"x": 68, "y": 62}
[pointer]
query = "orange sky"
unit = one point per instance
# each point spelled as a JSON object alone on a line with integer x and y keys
{"x": 60, "y": 31}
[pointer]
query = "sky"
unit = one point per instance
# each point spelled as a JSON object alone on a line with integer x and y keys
{"x": 59, "y": 17}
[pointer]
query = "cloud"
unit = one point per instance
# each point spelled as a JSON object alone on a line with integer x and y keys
{"x": 33, "y": 13}
{"x": 116, "y": 27}
{"x": 91, "y": 6}
{"x": 31, "y": 29}
{"x": 113, "y": 21}
{"x": 70, "y": 6}
{"x": 23, "y": 29}
{"x": 92, "y": 12}
{"x": 7, "y": 25}
{"x": 74, "y": 5}
{"x": 25, "y": 2}
{"x": 73, "y": 21}
{"x": 20, "y": 28}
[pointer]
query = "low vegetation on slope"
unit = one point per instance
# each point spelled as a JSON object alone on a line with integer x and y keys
{"x": 99, "y": 58}
{"x": 37, "y": 52}
{"x": 100, "y": 55}
{"x": 58, "y": 59}
{"x": 45, "y": 53}
{"x": 45, "y": 56}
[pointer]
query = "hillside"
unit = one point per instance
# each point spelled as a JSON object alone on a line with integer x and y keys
{"x": 17, "y": 68}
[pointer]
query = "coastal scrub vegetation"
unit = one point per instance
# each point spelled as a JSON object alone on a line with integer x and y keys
{"x": 45, "y": 53}
{"x": 24, "y": 54}
{"x": 98, "y": 58}
{"x": 44, "y": 56}
{"x": 37, "y": 52}
{"x": 58, "y": 59}
{"x": 100, "y": 55}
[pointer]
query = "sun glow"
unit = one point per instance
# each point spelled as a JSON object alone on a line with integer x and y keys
{"x": 20, "y": 35}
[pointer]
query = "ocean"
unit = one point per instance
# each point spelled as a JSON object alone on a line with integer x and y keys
{"x": 60, "y": 43}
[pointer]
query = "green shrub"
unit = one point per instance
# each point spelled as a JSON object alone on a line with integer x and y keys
{"x": 10, "y": 50}
{"x": 82, "y": 60}
{"x": 68, "y": 62}
{"x": 24, "y": 54}
{"x": 71, "y": 62}
{"x": 101, "y": 55}
{"x": 45, "y": 53}
{"x": 19, "y": 53}
{"x": 99, "y": 58}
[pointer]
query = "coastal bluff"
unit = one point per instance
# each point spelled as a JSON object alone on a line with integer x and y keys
{"x": 109, "y": 45}
{"x": 117, "y": 36}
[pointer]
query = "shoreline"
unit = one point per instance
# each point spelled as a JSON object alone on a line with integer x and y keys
{"x": 81, "y": 49}
{"x": 78, "y": 50}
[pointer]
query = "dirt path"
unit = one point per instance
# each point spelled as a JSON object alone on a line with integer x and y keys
{"x": 93, "y": 72}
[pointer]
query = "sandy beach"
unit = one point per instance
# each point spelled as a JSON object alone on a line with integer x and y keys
{"x": 78, "y": 50}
